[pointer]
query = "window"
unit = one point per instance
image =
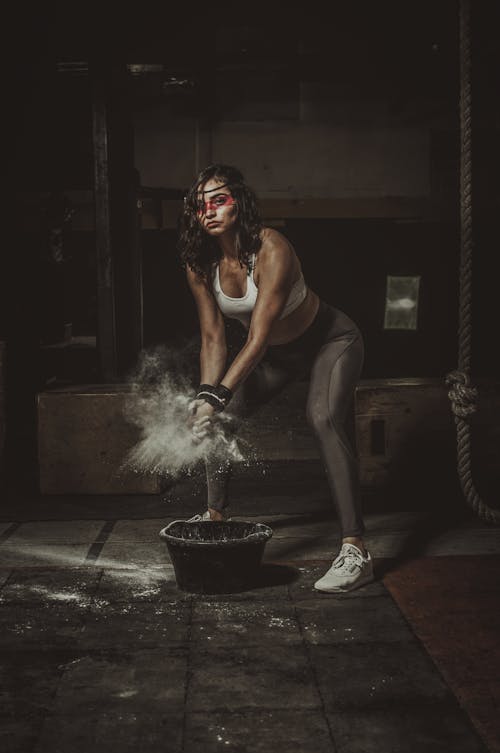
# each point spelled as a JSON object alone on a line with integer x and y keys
{"x": 401, "y": 302}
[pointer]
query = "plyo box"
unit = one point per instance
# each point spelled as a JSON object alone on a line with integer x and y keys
{"x": 83, "y": 439}
{"x": 405, "y": 436}
{"x": 404, "y": 432}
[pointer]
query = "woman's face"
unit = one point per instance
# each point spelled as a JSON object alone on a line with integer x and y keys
{"x": 217, "y": 209}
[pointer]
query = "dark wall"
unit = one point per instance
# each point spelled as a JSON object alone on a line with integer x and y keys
{"x": 346, "y": 262}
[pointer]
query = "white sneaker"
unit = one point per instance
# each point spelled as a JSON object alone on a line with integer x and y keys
{"x": 197, "y": 518}
{"x": 350, "y": 569}
{"x": 205, "y": 516}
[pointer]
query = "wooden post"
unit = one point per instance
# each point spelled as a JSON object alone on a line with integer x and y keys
{"x": 119, "y": 276}
{"x": 106, "y": 326}
{"x": 3, "y": 422}
{"x": 125, "y": 228}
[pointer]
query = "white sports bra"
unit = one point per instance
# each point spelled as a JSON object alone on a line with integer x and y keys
{"x": 241, "y": 308}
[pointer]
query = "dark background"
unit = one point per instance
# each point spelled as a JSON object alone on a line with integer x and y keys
{"x": 360, "y": 67}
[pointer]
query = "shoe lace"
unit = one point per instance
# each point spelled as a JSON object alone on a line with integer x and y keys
{"x": 348, "y": 560}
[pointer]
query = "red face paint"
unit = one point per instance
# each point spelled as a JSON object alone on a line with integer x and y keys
{"x": 215, "y": 203}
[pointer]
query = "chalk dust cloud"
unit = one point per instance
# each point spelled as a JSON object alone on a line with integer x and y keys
{"x": 161, "y": 389}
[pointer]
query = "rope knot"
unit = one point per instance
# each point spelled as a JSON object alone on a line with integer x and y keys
{"x": 463, "y": 397}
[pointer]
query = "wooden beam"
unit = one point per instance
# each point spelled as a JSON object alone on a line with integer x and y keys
{"x": 158, "y": 213}
{"x": 384, "y": 207}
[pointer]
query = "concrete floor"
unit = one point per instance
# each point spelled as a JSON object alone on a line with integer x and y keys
{"x": 100, "y": 651}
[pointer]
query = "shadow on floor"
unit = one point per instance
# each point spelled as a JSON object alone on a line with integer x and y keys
{"x": 424, "y": 532}
{"x": 271, "y": 574}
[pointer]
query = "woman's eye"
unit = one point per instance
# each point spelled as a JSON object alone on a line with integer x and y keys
{"x": 220, "y": 200}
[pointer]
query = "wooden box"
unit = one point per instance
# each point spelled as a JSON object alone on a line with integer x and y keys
{"x": 405, "y": 437}
{"x": 405, "y": 433}
{"x": 83, "y": 439}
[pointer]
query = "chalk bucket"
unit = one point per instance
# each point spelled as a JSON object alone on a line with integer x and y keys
{"x": 215, "y": 556}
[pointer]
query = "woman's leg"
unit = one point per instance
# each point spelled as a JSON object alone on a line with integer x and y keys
{"x": 264, "y": 382}
{"x": 218, "y": 476}
{"x": 334, "y": 376}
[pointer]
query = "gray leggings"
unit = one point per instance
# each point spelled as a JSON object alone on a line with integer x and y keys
{"x": 331, "y": 353}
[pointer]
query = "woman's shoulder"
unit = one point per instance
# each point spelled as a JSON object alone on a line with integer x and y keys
{"x": 274, "y": 242}
{"x": 197, "y": 279}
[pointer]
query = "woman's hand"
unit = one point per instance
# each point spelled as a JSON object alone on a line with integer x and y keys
{"x": 200, "y": 419}
{"x": 192, "y": 409}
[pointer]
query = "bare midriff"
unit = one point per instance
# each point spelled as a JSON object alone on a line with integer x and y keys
{"x": 292, "y": 326}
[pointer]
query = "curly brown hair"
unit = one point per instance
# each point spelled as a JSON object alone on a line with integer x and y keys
{"x": 197, "y": 249}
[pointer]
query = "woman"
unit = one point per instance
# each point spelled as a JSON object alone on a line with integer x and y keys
{"x": 237, "y": 268}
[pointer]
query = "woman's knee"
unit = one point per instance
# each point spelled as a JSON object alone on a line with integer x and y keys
{"x": 319, "y": 421}
{"x": 322, "y": 419}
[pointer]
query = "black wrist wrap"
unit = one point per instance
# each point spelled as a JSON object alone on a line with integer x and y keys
{"x": 217, "y": 397}
{"x": 204, "y": 387}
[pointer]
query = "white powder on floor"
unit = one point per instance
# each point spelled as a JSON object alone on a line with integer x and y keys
{"x": 45, "y": 593}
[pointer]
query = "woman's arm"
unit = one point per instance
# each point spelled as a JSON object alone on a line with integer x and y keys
{"x": 213, "y": 353}
{"x": 275, "y": 283}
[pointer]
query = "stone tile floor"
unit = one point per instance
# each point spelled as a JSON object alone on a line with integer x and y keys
{"x": 100, "y": 651}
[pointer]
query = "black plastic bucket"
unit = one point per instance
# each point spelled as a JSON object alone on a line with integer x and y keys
{"x": 215, "y": 556}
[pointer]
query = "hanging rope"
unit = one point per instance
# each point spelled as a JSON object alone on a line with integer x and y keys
{"x": 464, "y": 398}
